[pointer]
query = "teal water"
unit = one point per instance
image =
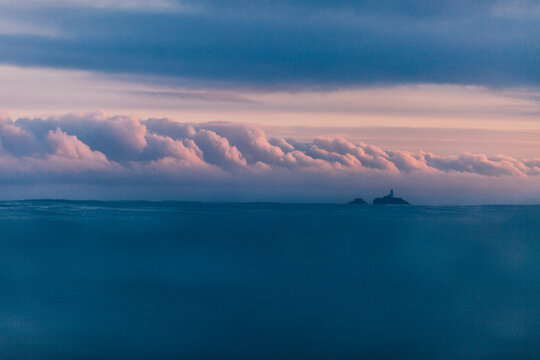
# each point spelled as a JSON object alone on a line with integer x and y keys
{"x": 115, "y": 280}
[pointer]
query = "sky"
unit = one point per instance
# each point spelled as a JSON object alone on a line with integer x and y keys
{"x": 271, "y": 100}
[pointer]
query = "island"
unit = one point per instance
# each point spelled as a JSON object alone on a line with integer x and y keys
{"x": 390, "y": 200}
{"x": 358, "y": 201}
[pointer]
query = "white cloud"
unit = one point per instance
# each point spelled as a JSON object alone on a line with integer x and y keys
{"x": 69, "y": 147}
{"x": 221, "y": 160}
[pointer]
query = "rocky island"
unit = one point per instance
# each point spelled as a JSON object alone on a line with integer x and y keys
{"x": 358, "y": 201}
{"x": 390, "y": 200}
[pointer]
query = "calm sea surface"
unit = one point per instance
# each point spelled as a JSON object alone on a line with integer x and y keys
{"x": 141, "y": 280}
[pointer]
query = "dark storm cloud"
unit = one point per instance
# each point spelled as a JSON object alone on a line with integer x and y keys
{"x": 295, "y": 43}
{"x": 413, "y": 9}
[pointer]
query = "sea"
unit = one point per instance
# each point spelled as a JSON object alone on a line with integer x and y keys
{"x": 189, "y": 280}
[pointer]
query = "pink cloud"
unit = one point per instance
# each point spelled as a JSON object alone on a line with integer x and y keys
{"x": 100, "y": 150}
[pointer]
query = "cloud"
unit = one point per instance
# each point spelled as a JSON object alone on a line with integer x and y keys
{"x": 69, "y": 147}
{"x": 217, "y": 150}
{"x": 234, "y": 159}
{"x": 288, "y": 44}
{"x": 128, "y": 5}
{"x": 479, "y": 164}
{"x": 121, "y": 138}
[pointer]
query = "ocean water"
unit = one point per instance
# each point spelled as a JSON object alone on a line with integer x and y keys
{"x": 175, "y": 280}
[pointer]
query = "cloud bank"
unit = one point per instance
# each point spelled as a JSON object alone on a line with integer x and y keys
{"x": 284, "y": 43}
{"x": 160, "y": 158}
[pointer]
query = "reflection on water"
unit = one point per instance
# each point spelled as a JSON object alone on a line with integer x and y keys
{"x": 194, "y": 280}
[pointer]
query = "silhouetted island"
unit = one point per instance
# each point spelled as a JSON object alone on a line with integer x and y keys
{"x": 390, "y": 200}
{"x": 358, "y": 201}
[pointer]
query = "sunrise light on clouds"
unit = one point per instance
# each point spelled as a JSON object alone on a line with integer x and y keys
{"x": 452, "y": 80}
{"x": 269, "y": 179}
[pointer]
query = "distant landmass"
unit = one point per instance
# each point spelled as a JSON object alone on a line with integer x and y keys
{"x": 390, "y": 200}
{"x": 358, "y": 201}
